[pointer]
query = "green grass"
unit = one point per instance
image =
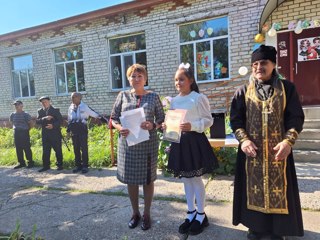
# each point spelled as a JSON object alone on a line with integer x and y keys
{"x": 98, "y": 147}
{"x": 99, "y": 150}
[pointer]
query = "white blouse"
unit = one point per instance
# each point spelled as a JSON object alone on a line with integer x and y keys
{"x": 198, "y": 114}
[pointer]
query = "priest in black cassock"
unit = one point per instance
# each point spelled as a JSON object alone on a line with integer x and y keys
{"x": 266, "y": 117}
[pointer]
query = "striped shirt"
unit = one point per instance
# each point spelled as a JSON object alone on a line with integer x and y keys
{"x": 20, "y": 120}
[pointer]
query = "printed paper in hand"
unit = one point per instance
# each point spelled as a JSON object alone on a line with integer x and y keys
{"x": 132, "y": 120}
{"x": 172, "y": 121}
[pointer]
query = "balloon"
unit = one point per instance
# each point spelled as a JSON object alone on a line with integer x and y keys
{"x": 298, "y": 28}
{"x": 272, "y": 32}
{"x": 192, "y": 33}
{"x": 209, "y": 31}
{"x": 243, "y": 71}
{"x": 259, "y": 38}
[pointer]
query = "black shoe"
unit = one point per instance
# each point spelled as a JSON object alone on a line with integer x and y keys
{"x": 77, "y": 169}
{"x": 184, "y": 227}
{"x": 59, "y": 168}
{"x": 146, "y": 222}
{"x": 277, "y": 237}
{"x": 43, "y": 169}
{"x": 197, "y": 227}
{"x": 19, "y": 166}
{"x": 30, "y": 165}
{"x": 252, "y": 235}
{"x": 134, "y": 221}
{"x": 85, "y": 170}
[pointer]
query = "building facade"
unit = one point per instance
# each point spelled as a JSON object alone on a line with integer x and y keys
{"x": 90, "y": 52}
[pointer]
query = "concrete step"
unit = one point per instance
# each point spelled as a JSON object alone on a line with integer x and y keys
{"x": 306, "y": 156}
{"x": 302, "y": 144}
{"x": 310, "y": 134}
{"x": 311, "y": 112}
{"x": 311, "y": 123}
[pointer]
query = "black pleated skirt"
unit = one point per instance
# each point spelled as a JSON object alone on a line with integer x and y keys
{"x": 192, "y": 157}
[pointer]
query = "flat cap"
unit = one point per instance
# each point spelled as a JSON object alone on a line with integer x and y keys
{"x": 44, "y": 97}
{"x": 17, "y": 102}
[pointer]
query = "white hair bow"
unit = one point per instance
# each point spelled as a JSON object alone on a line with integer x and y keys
{"x": 184, "y": 65}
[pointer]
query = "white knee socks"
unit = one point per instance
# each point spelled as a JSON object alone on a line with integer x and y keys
{"x": 194, "y": 189}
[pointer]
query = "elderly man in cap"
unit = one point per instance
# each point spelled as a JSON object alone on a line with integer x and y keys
{"x": 21, "y": 122}
{"x": 50, "y": 120}
{"x": 78, "y": 114}
{"x": 266, "y": 117}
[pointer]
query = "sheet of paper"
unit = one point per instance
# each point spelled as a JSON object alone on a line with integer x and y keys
{"x": 172, "y": 121}
{"x": 132, "y": 120}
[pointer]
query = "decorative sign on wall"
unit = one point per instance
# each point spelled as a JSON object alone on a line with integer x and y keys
{"x": 308, "y": 49}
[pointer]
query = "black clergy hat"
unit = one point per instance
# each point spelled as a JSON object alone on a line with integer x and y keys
{"x": 264, "y": 53}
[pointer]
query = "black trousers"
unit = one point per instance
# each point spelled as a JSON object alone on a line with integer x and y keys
{"x": 51, "y": 140}
{"x": 80, "y": 145}
{"x": 22, "y": 143}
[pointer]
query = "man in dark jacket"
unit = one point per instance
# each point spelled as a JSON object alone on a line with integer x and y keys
{"x": 50, "y": 120}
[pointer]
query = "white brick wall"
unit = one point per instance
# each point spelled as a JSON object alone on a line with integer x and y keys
{"x": 161, "y": 28}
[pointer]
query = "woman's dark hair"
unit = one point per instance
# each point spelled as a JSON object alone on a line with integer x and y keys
{"x": 188, "y": 71}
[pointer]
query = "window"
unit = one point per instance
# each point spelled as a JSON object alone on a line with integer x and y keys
{"x": 69, "y": 69}
{"x": 205, "y": 46}
{"x": 124, "y": 52}
{"x": 22, "y": 76}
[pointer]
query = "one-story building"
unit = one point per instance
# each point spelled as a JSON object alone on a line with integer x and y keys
{"x": 90, "y": 52}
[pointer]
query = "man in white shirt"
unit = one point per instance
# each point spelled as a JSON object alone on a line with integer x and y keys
{"x": 78, "y": 115}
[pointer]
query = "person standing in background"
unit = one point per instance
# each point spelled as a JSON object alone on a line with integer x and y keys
{"x": 78, "y": 115}
{"x": 22, "y": 123}
{"x": 50, "y": 120}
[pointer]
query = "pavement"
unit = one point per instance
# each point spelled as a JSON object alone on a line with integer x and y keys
{"x": 67, "y": 206}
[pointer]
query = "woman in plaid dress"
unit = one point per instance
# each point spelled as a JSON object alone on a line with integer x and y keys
{"x": 137, "y": 164}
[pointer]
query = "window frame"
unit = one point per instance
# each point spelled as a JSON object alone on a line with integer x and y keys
{"x": 211, "y": 39}
{"x": 64, "y": 63}
{"x": 19, "y": 72}
{"x": 124, "y": 79}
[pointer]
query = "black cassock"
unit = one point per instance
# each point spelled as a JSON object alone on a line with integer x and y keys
{"x": 280, "y": 224}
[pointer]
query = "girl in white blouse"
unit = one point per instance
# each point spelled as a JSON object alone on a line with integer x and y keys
{"x": 193, "y": 156}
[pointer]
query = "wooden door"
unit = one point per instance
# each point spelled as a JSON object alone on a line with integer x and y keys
{"x": 299, "y": 62}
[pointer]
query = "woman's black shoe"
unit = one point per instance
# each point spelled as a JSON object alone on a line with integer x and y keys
{"x": 184, "y": 227}
{"x": 197, "y": 227}
{"x": 134, "y": 221}
{"x": 146, "y": 222}
{"x": 252, "y": 235}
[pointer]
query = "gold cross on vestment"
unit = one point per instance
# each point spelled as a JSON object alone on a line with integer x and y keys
{"x": 275, "y": 134}
{"x": 254, "y": 161}
{"x": 277, "y": 191}
{"x": 255, "y": 189}
{"x": 254, "y": 135}
{"x": 276, "y": 162}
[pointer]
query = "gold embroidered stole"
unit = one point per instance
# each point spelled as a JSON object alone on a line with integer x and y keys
{"x": 266, "y": 177}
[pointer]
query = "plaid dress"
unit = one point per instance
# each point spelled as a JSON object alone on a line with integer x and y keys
{"x": 137, "y": 164}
